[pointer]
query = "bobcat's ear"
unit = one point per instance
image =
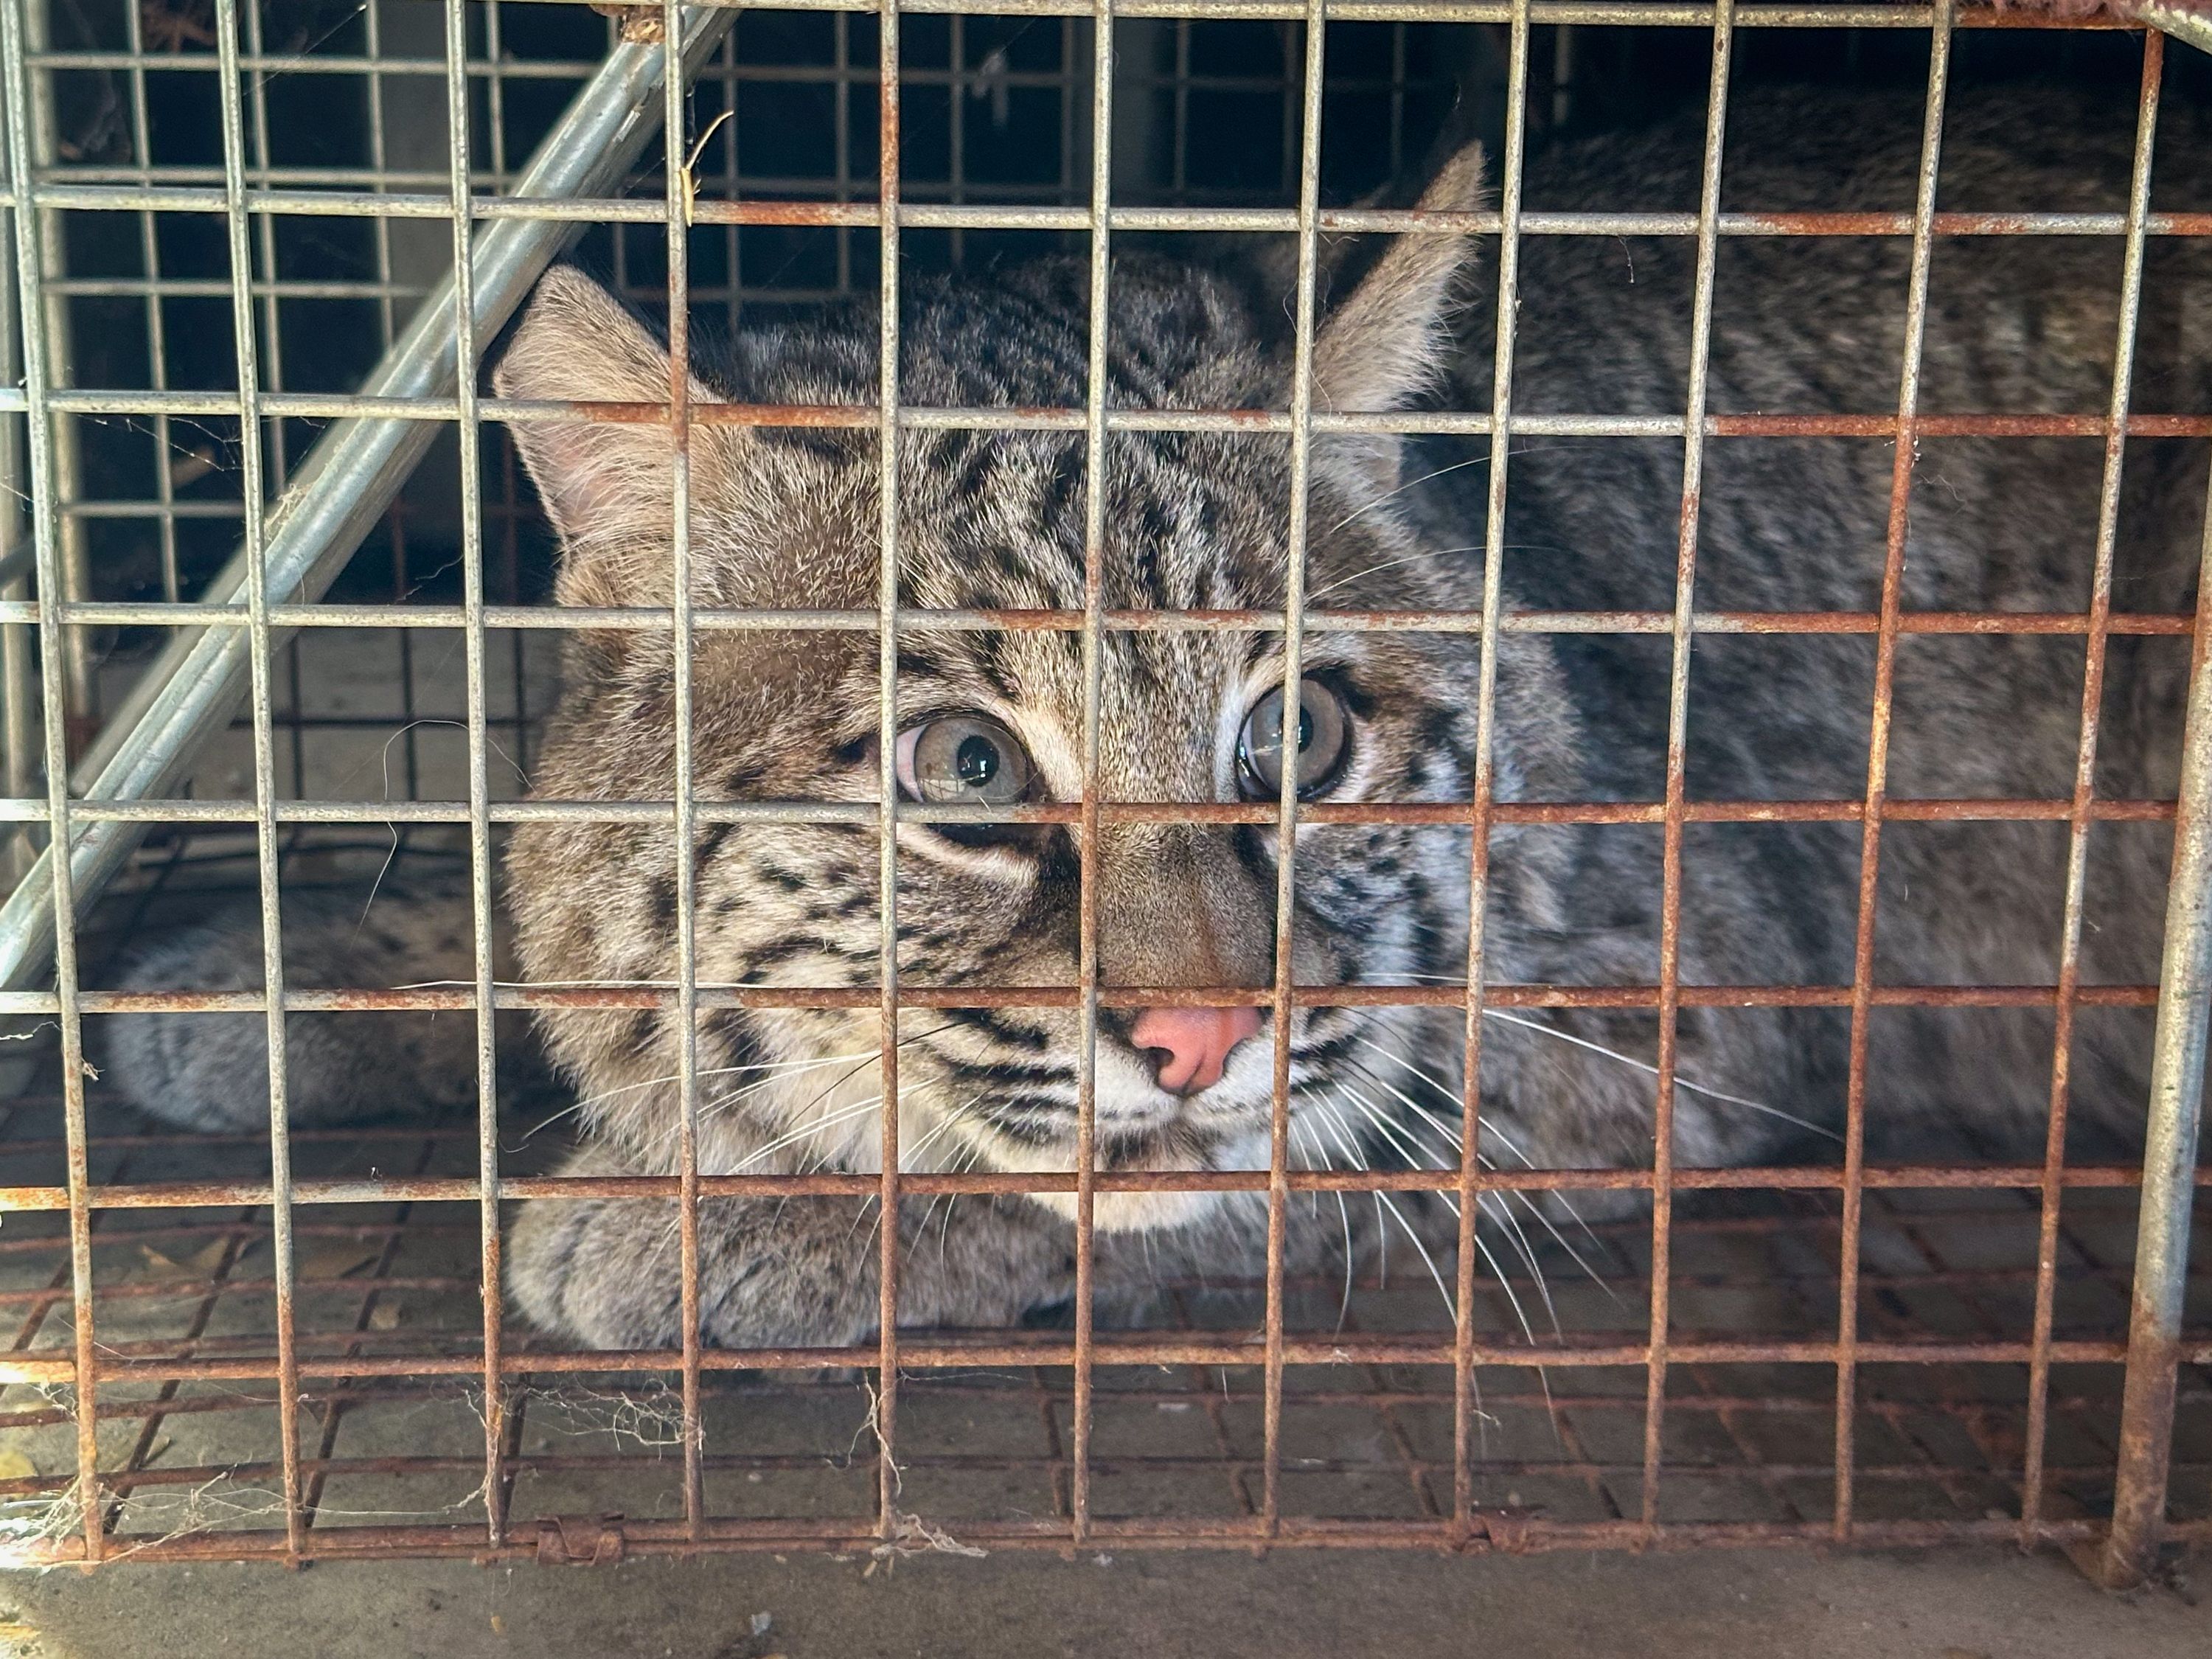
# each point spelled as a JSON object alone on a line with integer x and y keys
{"x": 1388, "y": 342}
{"x": 607, "y": 485}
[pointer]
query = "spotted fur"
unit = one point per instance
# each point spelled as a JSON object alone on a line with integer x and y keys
{"x": 789, "y": 519}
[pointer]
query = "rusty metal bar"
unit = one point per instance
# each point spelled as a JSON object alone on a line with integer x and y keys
{"x": 1088, "y": 852}
{"x": 1678, "y": 732}
{"x": 2170, "y": 1170}
{"x": 1484, "y": 809}
{"x": 884, "y": 1417}
{"x": 1628, "y": 14}
{"x": 908, "y": 619}
{"x": 684, "y": 845}
{"x": 1965, "y": 809}
{"x": 468, "y": 433}
{"x": 47, "y": 483}
{"x": 2085, "y": 787}
{"x": 203, "y": 1194}
{"x": 1246, "y": 1349}
{"x": 1893, "y": 582}
{"x": 1305, "y": 312}
{"x": 434, "y": 408}
{"x": 246, "y": 349}
{"x": 187, "y": 192}
{"x": 1530, "y": 1536}
{"x": 639, "y": 995}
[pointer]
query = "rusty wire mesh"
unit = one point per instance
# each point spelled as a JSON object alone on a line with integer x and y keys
{"x": 1872, "y": 1352}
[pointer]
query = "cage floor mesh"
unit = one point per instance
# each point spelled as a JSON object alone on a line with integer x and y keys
{"x": 985, "y": 1453}
{"x": 387, "y": 1322}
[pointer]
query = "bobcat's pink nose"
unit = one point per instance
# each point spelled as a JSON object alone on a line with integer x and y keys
{"x": 1190, "y": 1045}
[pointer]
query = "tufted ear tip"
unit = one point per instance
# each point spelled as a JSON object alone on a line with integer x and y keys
{"x": 577, "y": 342}
{"x": 606, "y": 485}
{"x": 1457, "y": 187}
{"x": 1387, "y": 341}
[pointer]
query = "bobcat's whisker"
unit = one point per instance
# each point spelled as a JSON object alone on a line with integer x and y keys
{"x": 1381, "y": 1121}
{"x": 1450, "y": 1142}
{"x": 1507, "y": 1220}
{"x": 605, "y": 1094}
{"x": 1490, "y": 1128}
{"x": 1348, "y": 1143}
{"x": 1385, "y": 564}
{"x": 1680, "y": 1082}
{"x": 1644, "y": 1066}
{"x": 945, "y": 1226}
{"x": 1370, "y": 506}
{"x": 1427, "y": 1260}
{"x": 815, "y": 1126}
{"x": 1449, "y": 1136}
{"x": 944, "y": 1126}
{"x": 1308, "y": 1145}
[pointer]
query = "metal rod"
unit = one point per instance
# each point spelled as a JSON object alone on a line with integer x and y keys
{"x": 1677, "y": 735}
{"x": 884, "y": 1406}
{"x": 403, "y": 1189}
{"x": 245, "y": 346}
{"x": 1626, "y": 13}
{"x": 54, "y": 884}
{"x": 482, "y": 925}
{"x": 1863, "y": 998}
{"x": 2177, "y": 1105}
{"x": 683, "y": 843}
{"x": 1094, "y": 602}
{"x": 1535, "y": 1534}
{"x": 18, "y": 674}
{"x": 2085, "y": 789}
{"x": 53, "y": 319}
{"x": 648, "y": 994}
{"x": 350, "y": 477}
{"x": 1287, "y": 830}
{"x": 1471, "y": 1178}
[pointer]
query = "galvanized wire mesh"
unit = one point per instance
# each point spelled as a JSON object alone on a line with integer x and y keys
{"x": 139, "y": 459}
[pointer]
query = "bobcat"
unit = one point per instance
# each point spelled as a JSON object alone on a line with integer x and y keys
{"x": 788, "y": 519}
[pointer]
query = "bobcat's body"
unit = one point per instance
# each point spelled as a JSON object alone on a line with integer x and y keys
{"x": 996, "y": 520}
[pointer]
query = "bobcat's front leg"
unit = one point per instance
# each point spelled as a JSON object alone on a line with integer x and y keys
{"x": 777, "y": 1271}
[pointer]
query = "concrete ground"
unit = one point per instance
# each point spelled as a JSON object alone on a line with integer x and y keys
{"x": 1979, "y": 1604}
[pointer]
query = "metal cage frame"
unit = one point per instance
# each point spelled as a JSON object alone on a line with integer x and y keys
{"x": 225, "y": 649}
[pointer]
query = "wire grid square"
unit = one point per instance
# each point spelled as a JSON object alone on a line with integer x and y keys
{"x": 1295, "y": 1442}
{"x": 1748, "y": 1444}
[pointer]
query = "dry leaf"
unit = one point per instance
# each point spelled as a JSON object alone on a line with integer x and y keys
{"x": 158, "y": 1265}
{"x": 332, "y": 1258}
{"x": 201, "y": 1264}
{"x": 498, "y": 1625}
{"x": 15, "y": 1464}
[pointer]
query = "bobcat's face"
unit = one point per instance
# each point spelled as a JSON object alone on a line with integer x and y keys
{"x": 991, "y": 718}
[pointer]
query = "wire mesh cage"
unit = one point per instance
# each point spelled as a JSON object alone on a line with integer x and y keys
{"x": 279, "y": 622}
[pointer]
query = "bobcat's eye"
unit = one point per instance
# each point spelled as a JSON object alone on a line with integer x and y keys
{"x": 962, "y": 760}
{"x": 1324, "y": 741}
